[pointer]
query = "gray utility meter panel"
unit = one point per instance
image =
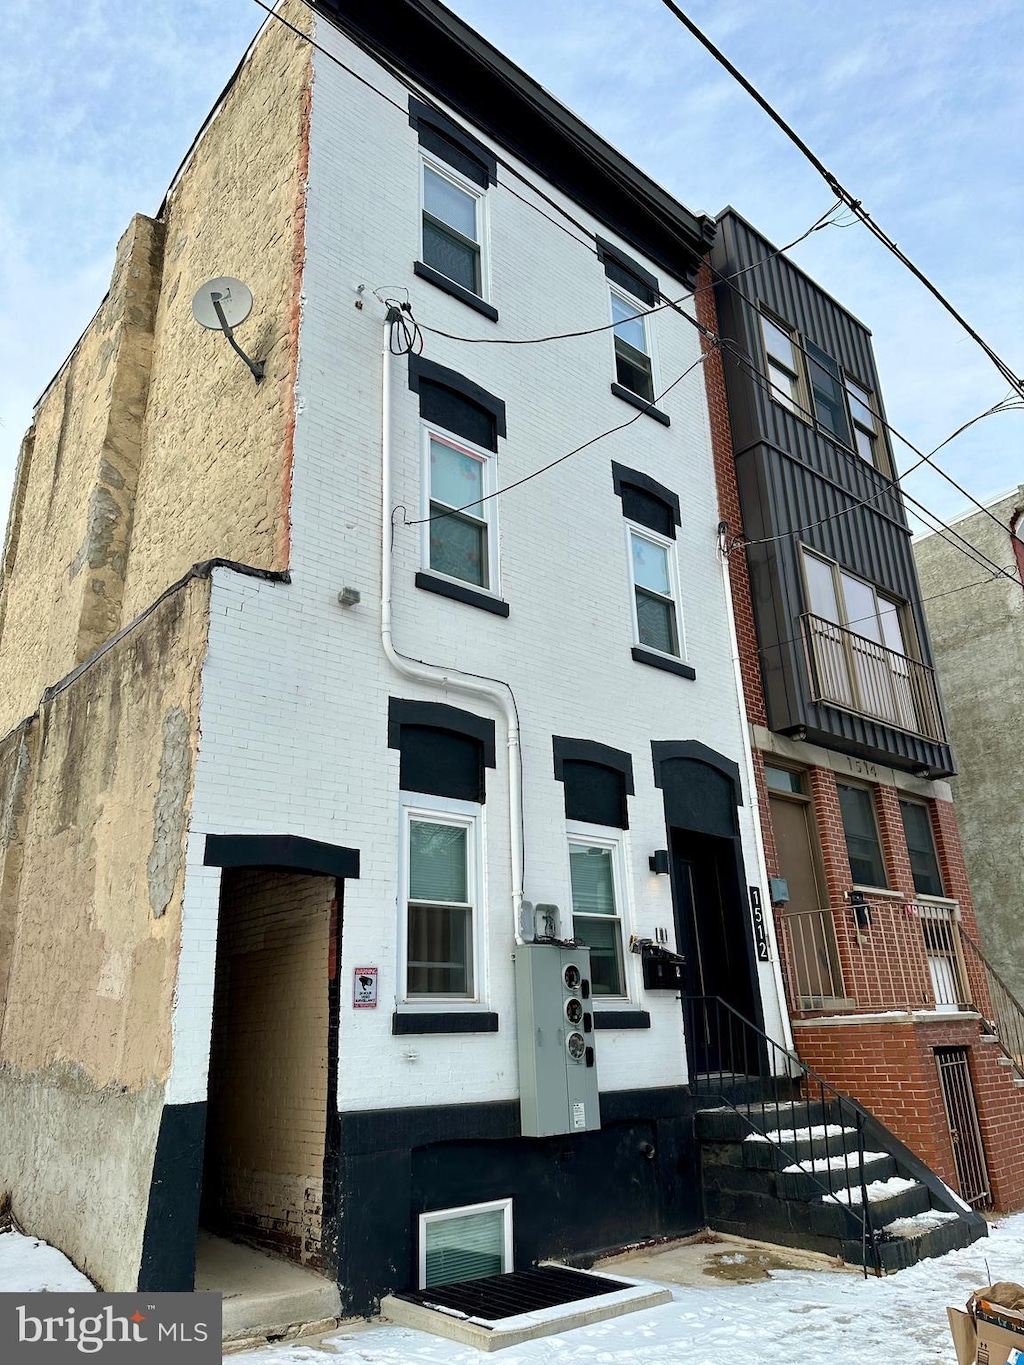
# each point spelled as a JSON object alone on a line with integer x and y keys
{"x": 557, "y": 1065}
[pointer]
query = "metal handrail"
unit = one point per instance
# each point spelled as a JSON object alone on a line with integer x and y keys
{"x": 862, "y": 675}
{"x": 736, "y": 1043}
{"x": 902, "y": 954}
{"x": 1007, "y": 1012}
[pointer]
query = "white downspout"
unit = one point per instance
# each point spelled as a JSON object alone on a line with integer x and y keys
{"x": 752, "y": 796}
{"x": 435, "y": 673}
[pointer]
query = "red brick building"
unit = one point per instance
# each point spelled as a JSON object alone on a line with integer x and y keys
{"x": 890, "y": 997}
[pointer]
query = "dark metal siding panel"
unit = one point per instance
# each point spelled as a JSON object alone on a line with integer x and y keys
{"x": 809, "y": 489}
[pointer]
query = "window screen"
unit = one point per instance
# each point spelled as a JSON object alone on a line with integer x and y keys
{"x": 465, "y": 1247}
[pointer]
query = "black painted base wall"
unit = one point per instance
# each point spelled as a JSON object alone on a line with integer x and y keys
{"x": 574, "y": 1196}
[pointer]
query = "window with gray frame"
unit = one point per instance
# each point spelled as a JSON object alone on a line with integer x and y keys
{"x": 917, "y": 827}
{"x": 867, "y": 866}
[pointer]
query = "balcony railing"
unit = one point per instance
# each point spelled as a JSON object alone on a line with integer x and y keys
{"x": 880, "y": 956}
{"x": 859, "y": 674}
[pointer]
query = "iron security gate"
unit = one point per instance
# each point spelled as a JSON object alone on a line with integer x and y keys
{"x": 962, "y": 1117}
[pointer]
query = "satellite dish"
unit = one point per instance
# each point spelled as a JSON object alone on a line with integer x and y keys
{"x": 234, "y": 297}
{"x": 222, "y": 305}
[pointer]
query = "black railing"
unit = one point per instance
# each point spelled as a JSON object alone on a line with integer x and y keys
{"x": 735, "y": 1063}
{"x": 1006, "y": 1016}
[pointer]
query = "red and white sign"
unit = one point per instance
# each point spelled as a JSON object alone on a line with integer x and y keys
{"x": 364, "y": 988}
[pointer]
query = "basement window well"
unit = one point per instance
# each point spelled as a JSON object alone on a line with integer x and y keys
{"x": 468, "y": 1243}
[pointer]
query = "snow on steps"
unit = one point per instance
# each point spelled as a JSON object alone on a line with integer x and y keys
{"x": 801, "y": 1184}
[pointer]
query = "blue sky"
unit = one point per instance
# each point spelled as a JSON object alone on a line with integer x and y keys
{"x": 916, "y": 107}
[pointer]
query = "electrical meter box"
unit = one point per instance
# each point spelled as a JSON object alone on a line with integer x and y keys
{"x": 557, "y": 1063}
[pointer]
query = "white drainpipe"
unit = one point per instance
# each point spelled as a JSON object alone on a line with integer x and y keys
{"x": 450, "y": 679}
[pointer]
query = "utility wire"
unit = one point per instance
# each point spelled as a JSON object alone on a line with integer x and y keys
{"x": 816, "y": 226}
{"x": 858, "y": 620}
{"x": 405, "y": 82}
{"x": 1004, "y": 405}
{"x": 960, "y": 542}
{"x": 593, "y": 440}
{"x": 847, "y": 198}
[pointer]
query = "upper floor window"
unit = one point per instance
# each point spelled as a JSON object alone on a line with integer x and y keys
{"x": 783, "y": 362}
{"x": 655, "y": 614}
{"x": 456, "y": 172}
{"x": 867, "y": 866}
{"x": 633, "y": 366}
{"x": 806, "y": 380}
{"x": 865, "y": 423}
{"x": 461, "y": 539}
{"x": 858, "y": 643}
{"x": 917, "y": 827}
{"x": 453, "y": 227}
{"x": 827, "y": 393}
{"x": 633, "y": 290}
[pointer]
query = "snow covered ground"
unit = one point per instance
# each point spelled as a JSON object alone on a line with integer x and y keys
{"x": 797, "y": 1316}
{"x": 28, "y": 1265}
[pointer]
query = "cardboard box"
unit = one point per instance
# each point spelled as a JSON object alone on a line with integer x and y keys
{"x": 979, "y": 1342}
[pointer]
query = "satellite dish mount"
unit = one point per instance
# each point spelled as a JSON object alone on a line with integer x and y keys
{"x": 220, "y": 306}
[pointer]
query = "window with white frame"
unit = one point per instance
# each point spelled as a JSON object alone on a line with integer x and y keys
{"x": 655, "y": 596}
{"x": 595, "y": 876}
{"x": 467, "y": 1243}
{"x": 460, "y": 528}
{"x": 441, "y": 900}
{"x": 453, "y": 226}
{"x": 634, "y": 368}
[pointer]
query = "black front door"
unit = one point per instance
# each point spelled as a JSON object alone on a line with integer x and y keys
{"x": 713, "y": 930}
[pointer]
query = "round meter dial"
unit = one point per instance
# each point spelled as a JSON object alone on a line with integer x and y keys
{"x": 573, "y": 1010}
{"x": 576, "y": 1045}
{"x": 572, "y": 977}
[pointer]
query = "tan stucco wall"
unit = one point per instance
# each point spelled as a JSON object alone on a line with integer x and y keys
{"x": 216, "y": 473}
{"x": 75, "y": 490}
{"x": 976, "y": 623}
{"x": 95, "y": 791}
{"x": 153, "y": 449}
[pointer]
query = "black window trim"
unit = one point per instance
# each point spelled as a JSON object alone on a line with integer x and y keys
{"x": 589, "y": 751}
{"x": 648, "y": 290}
{"x": 461, "y": 592}
{"x": 435, "y": 715}
{"x": 622, "y": 476}
{"x": 456, "y": 290}
{"x": 424, "y": 116}
{"x": 565, "y": 750}
{"x": 421, "y": 368}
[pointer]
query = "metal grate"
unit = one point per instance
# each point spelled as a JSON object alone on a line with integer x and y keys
{"x": 962, "y": 1117}
{"x": 522, "y": 1291}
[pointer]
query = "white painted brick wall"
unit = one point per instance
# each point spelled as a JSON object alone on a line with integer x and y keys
{"x": 294, "y": 716}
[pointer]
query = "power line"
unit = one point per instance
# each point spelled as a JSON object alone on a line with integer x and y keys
{"x": 816, "y": 226}
{"x": 857, "y": 620}
{"x": 405, "y": 82}
{"x": 847, "y": 198}
{"x": 972, "y": 552}
{"x": 593, "y": 440}
{"x": 1004, "y": 405}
